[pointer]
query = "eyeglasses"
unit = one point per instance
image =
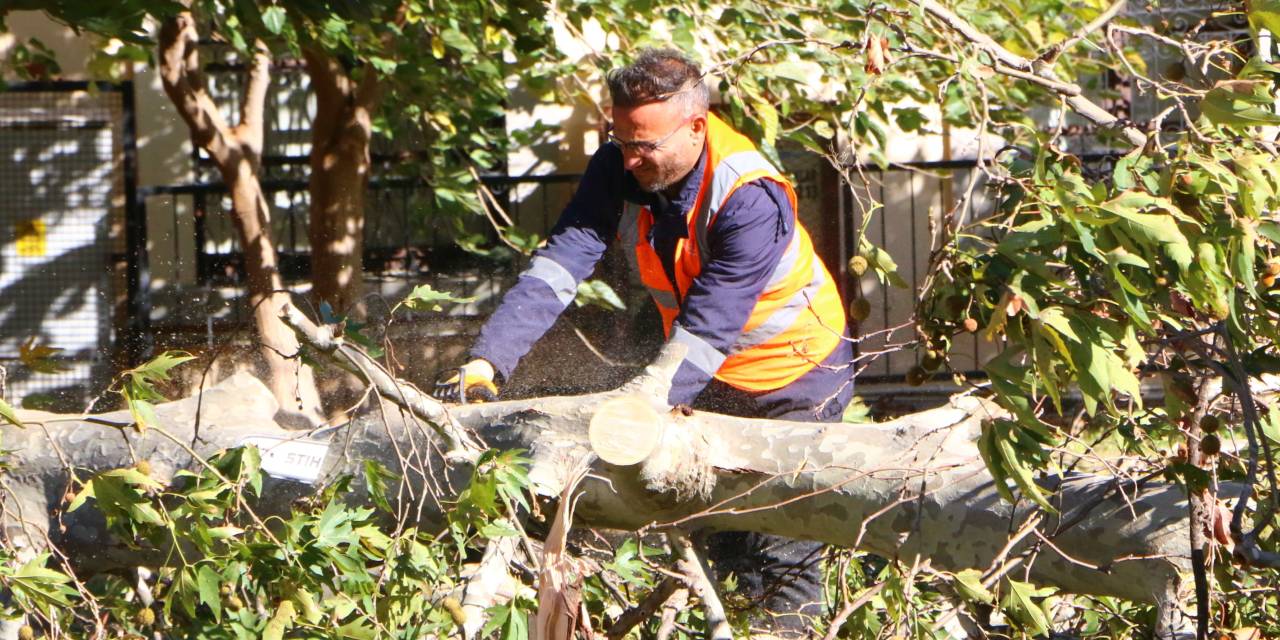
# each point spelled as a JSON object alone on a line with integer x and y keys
{"x": 644, "y": 147}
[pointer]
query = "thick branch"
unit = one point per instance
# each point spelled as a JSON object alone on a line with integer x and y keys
{"x": 913, "y": 487}
{"x": 408, "y": 397}
{"x": 251, "y": 130}
{"x": 183, "y": 82}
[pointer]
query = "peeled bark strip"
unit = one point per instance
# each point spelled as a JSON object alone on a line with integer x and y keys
{"x": 906, "y": 488}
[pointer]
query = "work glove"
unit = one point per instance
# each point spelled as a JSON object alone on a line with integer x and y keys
{"x": 472, "y": 382}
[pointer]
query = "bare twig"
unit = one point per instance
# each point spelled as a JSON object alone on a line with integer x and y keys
{"x": 693, "y": 565}
{"x": 1051, "y": 54}
{"x": 645, "y": 609}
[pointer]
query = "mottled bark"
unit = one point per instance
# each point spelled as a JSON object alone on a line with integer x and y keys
{"x": 237, "y": 152}
{"x": 340, "y": 136}
{"x": 910, "y": 487}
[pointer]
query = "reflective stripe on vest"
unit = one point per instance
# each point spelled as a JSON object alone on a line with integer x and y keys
{"x": 726, "y": 177}
{"x": 785, "y": 316}
{"x": 629, "y": 233}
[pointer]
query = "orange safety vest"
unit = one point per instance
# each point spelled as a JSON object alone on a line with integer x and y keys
{"x": 798, "y": 319}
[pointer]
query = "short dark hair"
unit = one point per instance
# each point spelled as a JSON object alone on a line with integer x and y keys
{"x": 658, "y": 75}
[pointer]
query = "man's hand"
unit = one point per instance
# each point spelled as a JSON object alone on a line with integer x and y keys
{"x": 473, "y": 380}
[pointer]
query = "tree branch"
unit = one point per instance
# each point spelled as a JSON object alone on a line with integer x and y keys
{"x": 180, "y": 75}
{"x": 645, "y": 609}
{"x": 461, "y": 444}
{"x": 251, "y": 130}
{"x": 693, "y": 565}
{"x": 1008, "y": 60}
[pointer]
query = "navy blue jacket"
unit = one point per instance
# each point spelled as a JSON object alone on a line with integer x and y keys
{"x": 750, "y": 234}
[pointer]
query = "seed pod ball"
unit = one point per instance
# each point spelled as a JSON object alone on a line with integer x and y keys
{"x": 858, "y": 265}
{"x": 1210, "y": 445}
{"x": 859, "y": 309}
{"x": 1210, "y": 423}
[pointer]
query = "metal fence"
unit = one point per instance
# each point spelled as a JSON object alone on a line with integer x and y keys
{"x": 900, "y": 210}
{"x": 406, "y": 242}
{"x": 67, "y": 174}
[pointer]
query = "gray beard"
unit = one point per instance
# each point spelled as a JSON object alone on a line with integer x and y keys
{"x": 663, "y": 182}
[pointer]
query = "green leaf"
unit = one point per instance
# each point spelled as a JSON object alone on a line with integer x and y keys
{"x": 273, "y": 19}
{"x": 376, "y": 477}
{"x": 767, "y": 114}
{"x": 383, "y": 65}
{"x": 8, "y": 414}
{"x": 41, "y": 588}
{"x": 1264, "y": 14}
{"x": 1240, "y": 103}
{"x": 498, "y": 529}
{"x": 39, "y": 357}
{"x": 424, "y": 298}
{"x": 1152, "y": 229}
{"x": 280, "y": 622}
{"x": 598, "y": 293}
{"x": 1020, "y": 604}
{"x": 207, "y": 583}
{"x": 968, "y": 584}
{"x": 882, "y": 263}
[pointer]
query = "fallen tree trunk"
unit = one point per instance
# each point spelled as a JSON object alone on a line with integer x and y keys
{"x": 910, "y": 487}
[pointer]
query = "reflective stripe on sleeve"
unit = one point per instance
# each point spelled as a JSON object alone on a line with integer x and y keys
{"x": 701, "y": 354}
{"x": 556, "y": 277}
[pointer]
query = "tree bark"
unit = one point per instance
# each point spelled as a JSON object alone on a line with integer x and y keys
{"x": 340, "y": 136}
{"x": 906, "y": 488}
{"x": 237, "y": 152}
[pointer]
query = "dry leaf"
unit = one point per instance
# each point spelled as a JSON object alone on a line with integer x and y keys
{"x": 877, "y": 55}
{"x": 560, "y": 582}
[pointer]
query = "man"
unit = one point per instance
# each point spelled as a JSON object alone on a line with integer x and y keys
{"x": 711, "y": 228}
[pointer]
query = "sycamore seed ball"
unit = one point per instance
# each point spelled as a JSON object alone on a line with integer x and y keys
{"x": 143, "y": 467}
{"x": 859, "y": 309}
{"x": 1210, "y": 423}
{"x": 970, "y": 325}
{"x": 146, "y": 617}
{"x": 1210, "y": 445}
{"x": 858, "y": 265}
{"x": 25, "y": 632}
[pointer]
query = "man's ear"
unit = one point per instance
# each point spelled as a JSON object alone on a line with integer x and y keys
{"x": 698, "y": 125}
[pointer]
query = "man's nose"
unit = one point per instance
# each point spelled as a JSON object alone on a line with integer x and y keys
{"x": 630, "y": 159}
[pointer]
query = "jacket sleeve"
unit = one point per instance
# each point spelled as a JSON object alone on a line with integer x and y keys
{"x": 574, "y": 246}
{"x": 747, "y": 240}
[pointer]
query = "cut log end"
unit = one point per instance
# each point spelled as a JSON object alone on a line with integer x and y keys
{"x": 625, "y": 430}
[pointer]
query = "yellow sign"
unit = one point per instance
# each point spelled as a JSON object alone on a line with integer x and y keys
{"x": 31, "y": 238}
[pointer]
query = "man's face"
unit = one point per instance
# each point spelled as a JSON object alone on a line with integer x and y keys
{"x": 678, "y": 138}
